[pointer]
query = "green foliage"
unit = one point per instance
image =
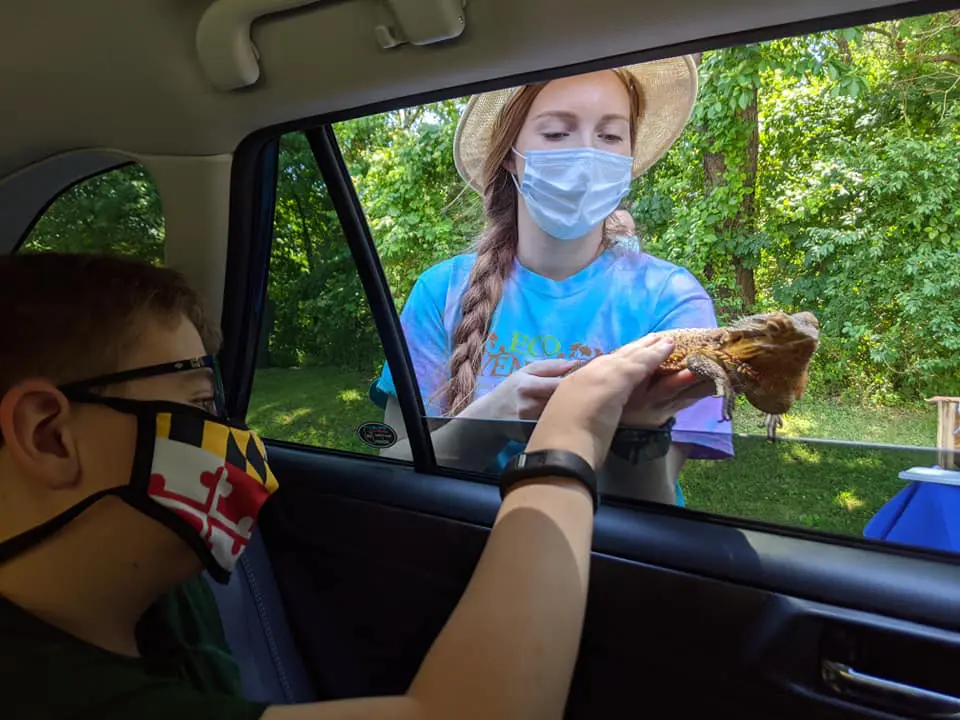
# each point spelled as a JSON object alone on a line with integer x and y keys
{"x": 861, "y": 209}
{"x": 319, "y": 313}
{"x": 420, "y": 211}
{"x": 872, "y": 243}
{"x": 117, "y": 212}
{"x": 850, "y": 207}
{"x": 418, "y": 214}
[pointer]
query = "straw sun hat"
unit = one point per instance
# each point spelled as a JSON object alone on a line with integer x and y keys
{"x": 669, "y": 91}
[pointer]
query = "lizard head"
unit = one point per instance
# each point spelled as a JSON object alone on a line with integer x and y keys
{"x": 773, "y": 351}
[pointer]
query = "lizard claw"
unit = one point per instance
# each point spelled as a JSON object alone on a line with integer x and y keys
{"x": 772, "y": 422}
{"x": 723, "y": 390}
{"x": 729, "y": 403}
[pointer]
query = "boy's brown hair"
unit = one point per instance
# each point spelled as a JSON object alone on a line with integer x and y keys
{"x": 70, "y": 317}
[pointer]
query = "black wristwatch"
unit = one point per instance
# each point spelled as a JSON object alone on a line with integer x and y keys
{"x": 639, "y": 444}
{"x": 547, "y": 463}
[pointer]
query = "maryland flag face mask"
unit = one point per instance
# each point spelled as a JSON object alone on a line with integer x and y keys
{"x": 212, "y": 476}
{"x": 195, "y": 472}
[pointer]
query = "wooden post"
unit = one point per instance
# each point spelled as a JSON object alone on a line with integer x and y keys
{"x": 948, "y": 423}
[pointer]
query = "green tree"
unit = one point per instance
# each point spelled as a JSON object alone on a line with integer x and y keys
{"x": 863, "y": 211}
{"x": 836, "y": 194}
{"x": 117, "y": 212}
{"x": 318, "y": 309}
{"x": 419, "y": 213}
{"x": 419, "y": 209}
{"x": 711, "y": 176}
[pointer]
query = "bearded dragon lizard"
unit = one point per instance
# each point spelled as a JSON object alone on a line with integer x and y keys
{"x": 764, "y": 357}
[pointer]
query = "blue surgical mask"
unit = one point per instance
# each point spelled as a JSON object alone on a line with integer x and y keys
{"x": 569, "y": 192}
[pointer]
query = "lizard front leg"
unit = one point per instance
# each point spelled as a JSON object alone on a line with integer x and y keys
{"x": 705, "y": 366}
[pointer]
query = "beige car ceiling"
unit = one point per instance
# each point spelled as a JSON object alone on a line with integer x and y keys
{"x": 125, "y": 74}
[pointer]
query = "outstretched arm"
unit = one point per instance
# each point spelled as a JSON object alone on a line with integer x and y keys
{"x": 509, "y": 648}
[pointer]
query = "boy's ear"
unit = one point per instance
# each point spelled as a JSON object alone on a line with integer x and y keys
{"x": 35, "y": 423}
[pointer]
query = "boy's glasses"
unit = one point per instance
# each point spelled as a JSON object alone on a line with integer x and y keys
{"x": 199, "y": 363}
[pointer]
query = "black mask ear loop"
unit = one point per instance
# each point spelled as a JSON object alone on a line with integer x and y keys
{"x": 34, "y": 536}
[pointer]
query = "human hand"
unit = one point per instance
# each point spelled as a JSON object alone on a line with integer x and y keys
{"x": 524, "y": 393}
{"x": 583, "y": 412}
{"x": 661, "y": 397}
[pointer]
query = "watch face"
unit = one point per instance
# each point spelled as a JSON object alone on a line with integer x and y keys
{"x": 525, "y": 460}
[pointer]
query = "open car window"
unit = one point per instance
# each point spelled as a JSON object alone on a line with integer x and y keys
{"x": 816, "y": 173}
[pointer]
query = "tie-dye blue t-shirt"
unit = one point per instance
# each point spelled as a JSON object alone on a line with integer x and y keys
{"x": 618, "y": 298}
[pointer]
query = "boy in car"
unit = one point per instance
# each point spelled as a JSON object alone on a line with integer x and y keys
{"x": 121, "y": 479}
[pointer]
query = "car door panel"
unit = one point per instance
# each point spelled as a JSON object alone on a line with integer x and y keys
{"x": 681, "y": 613}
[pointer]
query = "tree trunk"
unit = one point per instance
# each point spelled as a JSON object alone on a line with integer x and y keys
{"x": 305, "y": 234}
{"x": 744, "y": 222}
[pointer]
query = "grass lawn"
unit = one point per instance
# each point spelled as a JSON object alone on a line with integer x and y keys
{"x": 313, "y": 406}
{"x": 829, "y": 487}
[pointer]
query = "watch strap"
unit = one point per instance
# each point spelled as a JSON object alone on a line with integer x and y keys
{"x": 549, "y": 463}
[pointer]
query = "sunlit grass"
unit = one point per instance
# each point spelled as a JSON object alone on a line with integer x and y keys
{"x": 823, "y": 486}
{"x": 848, "y": 500}
{"x": 828, "y": 487}
{"x": 350, "y": 395}
{"x": 836, "y": 420}
{"x": 313, "y": 406}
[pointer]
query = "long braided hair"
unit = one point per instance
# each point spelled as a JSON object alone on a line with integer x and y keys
{"x": 497, "y": 245}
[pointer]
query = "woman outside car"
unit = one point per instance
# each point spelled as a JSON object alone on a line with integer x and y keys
{"x": 492, "y": 332}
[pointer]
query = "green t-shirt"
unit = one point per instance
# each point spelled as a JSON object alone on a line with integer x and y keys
{"x": 185, "y": 670}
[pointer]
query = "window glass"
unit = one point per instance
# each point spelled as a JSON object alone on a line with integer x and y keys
{"x": 817, "y": 173}
{"x": 117, "y": 212}
{"x": 319, "y": 347}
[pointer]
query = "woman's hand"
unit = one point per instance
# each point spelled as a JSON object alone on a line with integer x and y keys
{"x": 520, "y": 397}
{"x": 663, "y": 396}
{"x": 524, "y": 393}
{"x": 586, "y": 407}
